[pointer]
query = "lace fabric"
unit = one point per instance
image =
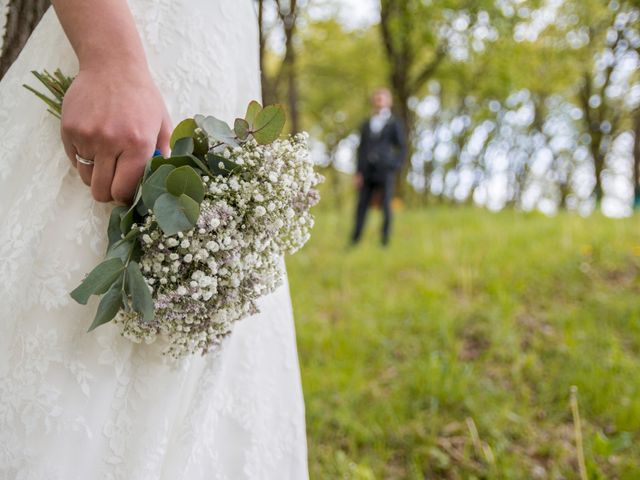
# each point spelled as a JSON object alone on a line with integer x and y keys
{"x": 75, "y": 405}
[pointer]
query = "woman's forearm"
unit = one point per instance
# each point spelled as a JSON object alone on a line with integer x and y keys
{"x": 113, "y": 115}
{"x": 102, "y": 33}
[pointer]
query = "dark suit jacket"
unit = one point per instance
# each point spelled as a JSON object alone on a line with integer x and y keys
{"x": 382, "y": 154}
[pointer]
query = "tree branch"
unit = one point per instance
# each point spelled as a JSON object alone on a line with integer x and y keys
{"x": 429, "y": 69}
{"x": 385, "y": 28}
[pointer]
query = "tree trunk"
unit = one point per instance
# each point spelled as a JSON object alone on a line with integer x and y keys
{"x": 290, "y": 68}
{"x": 262, "y": 47}
{"x": 407, "y": 73}
{"x": 636, "y": 160}
{"x": 598, "y": 165}
{"x": 398, "y": 57}
{"x": 23, "y": 17}
{"x": 406, "y": 115}
{"x": 564, "y": 189}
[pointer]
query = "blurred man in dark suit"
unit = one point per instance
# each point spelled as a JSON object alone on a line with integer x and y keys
{"x": 380, "y": 154}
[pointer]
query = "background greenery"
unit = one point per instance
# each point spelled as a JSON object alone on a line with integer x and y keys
{"x": 452, "y": 354}
{"x": 525, "y": 103}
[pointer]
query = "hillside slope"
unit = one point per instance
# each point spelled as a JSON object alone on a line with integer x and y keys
{"x": 452, "y": 353}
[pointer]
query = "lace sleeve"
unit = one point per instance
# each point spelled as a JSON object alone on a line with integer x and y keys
{"x": 4, "y": 14}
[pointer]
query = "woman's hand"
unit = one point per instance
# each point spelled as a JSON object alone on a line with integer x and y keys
{"x": 117, "y": 118}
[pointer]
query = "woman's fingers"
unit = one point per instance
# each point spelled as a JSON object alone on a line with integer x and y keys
{"x": 69, "y": 149}
{"x": 115, "y": 177}
{"x": 116, "y": 125}
{"x": 85, "y": 171}
{"x": 102, "y": 177}
{"x": 164, "y": 136}
{"x": 128, "y": 170}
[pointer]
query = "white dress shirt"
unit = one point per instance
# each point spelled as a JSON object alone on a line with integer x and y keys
{"x": 379, "y": 120}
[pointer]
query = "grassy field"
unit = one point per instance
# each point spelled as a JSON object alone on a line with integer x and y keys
{"x": 452, "y": 354}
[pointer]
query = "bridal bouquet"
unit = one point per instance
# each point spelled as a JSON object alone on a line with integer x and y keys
{"x": 209, "y": 224}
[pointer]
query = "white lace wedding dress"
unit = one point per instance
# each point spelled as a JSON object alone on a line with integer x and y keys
{"x": 95, "y": 406}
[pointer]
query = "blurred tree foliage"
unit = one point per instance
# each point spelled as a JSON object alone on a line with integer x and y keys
{"x": 336, "y": 81}
{"x": 418, "y": 37}
{"x": 280, "y": 81}
{"x": 536, "y": 100}
{"x": 22, "y": 18}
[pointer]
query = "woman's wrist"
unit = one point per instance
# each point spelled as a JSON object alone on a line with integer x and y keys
{"x": 125, "y": 61}
{"x": 131, "y": 70}
{"x": 103, "y": 34}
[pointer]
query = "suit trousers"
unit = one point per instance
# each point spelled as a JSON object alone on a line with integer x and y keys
{"x": 385, "y": 185}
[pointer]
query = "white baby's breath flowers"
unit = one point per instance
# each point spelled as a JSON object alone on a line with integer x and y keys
{"x": 206, "y": 279}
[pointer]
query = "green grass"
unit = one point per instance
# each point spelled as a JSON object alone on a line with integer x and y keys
{"x": 452, "y": 353}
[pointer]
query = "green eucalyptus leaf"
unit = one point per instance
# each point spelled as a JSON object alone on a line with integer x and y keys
{"x": 185, "y": 180}
{"x": 99, "y": 280}
{"x": 241, "y": 128}
{"x": 183, "y": 146}
{"x": 113, "y": 231}
{"x": 190, "y": 160}
{"x": 127, "y": 249}
{"x": 130, "y": 214}
{"x": 190, "y": 207}
{"x": 109, "y": 305}
{"x": 125, "y": 300}
{"x": 154, "y": 186}
{"x": 201, "y": 165}
{"x": 197, "y": 144}
{"x": 180, "y": 161}
{"x": 252, "y": 112}
{"x": 126, "y": 221}
{"x": 176, "y": 214}
{"x": 268, "y": 124}
{"x": 215, "y": 161}
{"x": 219, "y": 131}
{"x": 141, "y": 209}
{"x": 186, "y": 128}
{"x": 149, "y": 166}
{"x": 124, "y": 248}
{"x": 201, "y": 146}
{"x": 121, "y": 250}
{"x": 141, "y": 299}
{"x": 138, "y": 195}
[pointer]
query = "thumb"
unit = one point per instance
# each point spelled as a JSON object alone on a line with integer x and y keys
{"x": 164, "y": 136}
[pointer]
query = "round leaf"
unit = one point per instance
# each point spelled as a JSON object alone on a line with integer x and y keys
{"x": 252, "y": 112}
{"x": 185, "y": 180}
{"x": 219, "y": 130}
{"x": 154, "y": 186}
{"x": 183, "y": 146}
{"x": 241, "y": 128}
{"x": 180, "y": 161}
{"x": 190, "y": 208}
{"x": 176, "y": 214}
{"x": 186, "y": 128}
{"x": 269, "y": 123}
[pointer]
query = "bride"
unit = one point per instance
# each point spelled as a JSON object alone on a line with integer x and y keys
{"x": 77, "y": 405}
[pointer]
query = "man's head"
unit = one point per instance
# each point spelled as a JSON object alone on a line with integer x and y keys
{"x": 380, "y": 99}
